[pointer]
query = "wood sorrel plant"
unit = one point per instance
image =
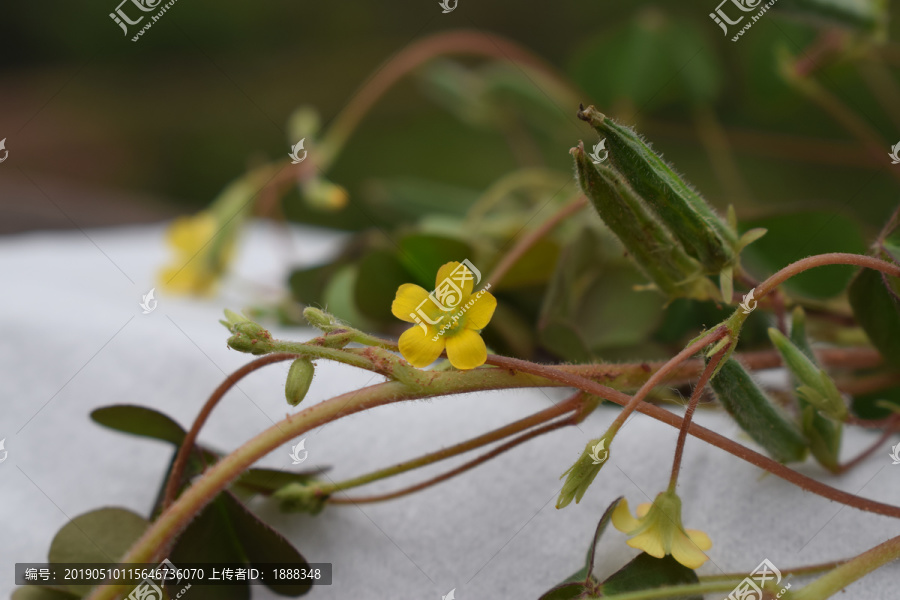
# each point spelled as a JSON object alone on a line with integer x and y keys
{"x": 685, "y": 250}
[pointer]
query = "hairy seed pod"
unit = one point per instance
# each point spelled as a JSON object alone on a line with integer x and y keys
{"x": 681, "y": 208}
{"x": 756, "y": 415}
{"x": 657, "y": 254}
{"x": 299, "y": 378}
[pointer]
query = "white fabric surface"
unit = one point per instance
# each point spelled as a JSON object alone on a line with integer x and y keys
{"x": 74, "y": 338}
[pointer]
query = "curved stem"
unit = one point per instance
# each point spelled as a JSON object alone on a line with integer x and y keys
{"x": 663, "y": 371}
{"x": 184, "y": 451}
{"x": 464, "y": 467}
{"x": 689, "y": 413}
{"x": 820, "y": 260}
{"x": 891, "y": 429}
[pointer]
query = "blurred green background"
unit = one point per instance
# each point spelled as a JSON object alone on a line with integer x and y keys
{"x": 208, "y": 90}
{"x": 102, "y": 130}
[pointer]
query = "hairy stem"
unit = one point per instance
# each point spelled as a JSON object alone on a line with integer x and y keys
{"x": 850, "y": 571}
{"x": 689, "y": 413}
{"x": 184, "y": 451}
{"x": 464, "y": 467}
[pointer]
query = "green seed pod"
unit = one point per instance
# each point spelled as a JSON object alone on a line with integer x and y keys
{"x": 299, "y": 378}
{"x": 681, "y": 208}
{"x": 817, "y": 387}
{"x": 656, "y": 253}
{"x": 756, "y": 415}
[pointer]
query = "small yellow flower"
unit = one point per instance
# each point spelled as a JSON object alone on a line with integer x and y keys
{"x": 657, "y": 530}
{"x": 200, "y": 258}
{"x": 457, "y": 330}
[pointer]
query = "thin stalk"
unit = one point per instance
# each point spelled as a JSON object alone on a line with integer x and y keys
{"x": 184, "y": 451}
{"x": 462, "y": 468}
{"x": 850, "y": 571}
{"x": 820, "y": 260}
{"x": 879, "y": 443}
{"x": 689, "y": 414}
{"x": 568, "y": 405}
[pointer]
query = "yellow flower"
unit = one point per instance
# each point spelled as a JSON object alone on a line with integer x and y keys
{"x": 201, "y": 255}
{"x": 657, "y": 530}
{"x": 457, "y": 329}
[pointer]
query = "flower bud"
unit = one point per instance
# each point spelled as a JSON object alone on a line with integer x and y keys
{"x": 250, "y": 337}
{"x": 580, "y": 475}
{"x": 299, "y": 378}
{"x": 301, "y": 497}
{"x": 817, "y": 387}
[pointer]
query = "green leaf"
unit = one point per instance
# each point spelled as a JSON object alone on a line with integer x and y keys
{"x": 140, "y": 420}
{"x": 380, "y": 274}
{"x": 756, "y": 415}
{"x": 646, "y": 572}
{"x": 878, "y": 312}
{"x": 590, "y": 305}
{"x": 99, "y": 536}
{"x": 535, "y": 267}
{"x": 791, "y": 237}
{"x": 225, "y": 531}
{"x": 339, "y": 295}
{"x": 424, "y": 254}
{"x": 308, "y": 285}
{"x": 210, "y": 539}
{"x": 261, "y": 544}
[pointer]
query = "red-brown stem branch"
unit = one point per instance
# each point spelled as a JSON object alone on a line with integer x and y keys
{"x": 689, "y": 414}
{"x": 184, "y": 451}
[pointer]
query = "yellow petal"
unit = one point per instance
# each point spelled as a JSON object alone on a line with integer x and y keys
{"x": 466, "y": 349}
{"x": 190, "y": 234}
{"x": 408, "y": 298}
{"x": 416, "y": 346}
{"x": 685, "y": 551}
{"x": 479, "y": 315}
{"x": 466, "y": 286}
{"x": 622, "y": 519}
{"x": 650, "y": 542}
{"x": 643, "y": 509}
{"x": 700, "y": 539}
